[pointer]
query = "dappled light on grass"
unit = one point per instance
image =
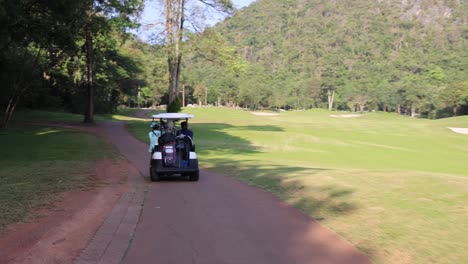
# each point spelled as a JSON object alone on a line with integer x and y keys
{"x": 51, "y": 131}
{"x": 39, "y": 162}
{"x": 124, "y": 118}
{"x": 45, "y": 116}
{"x": 130, "y": 114}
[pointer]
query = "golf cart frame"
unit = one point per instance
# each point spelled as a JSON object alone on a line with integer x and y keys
{"x": 174, "y": 155}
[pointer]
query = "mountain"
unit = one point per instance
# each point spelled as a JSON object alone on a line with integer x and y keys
{"x": 398, "y": 55}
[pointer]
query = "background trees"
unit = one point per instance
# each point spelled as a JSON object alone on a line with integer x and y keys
{"x": 363, "y": 55}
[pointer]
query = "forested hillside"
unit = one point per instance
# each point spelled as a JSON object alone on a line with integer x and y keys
{"x": 391, "y": 55}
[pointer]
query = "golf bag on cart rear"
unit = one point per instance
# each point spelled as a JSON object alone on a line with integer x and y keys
{"x": 183, "y": 148}
{"x": 169, "y": 154}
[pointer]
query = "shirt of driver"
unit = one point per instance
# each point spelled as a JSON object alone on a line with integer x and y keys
{"x": 186, "y": 132}
{"x": 153, "y": 136}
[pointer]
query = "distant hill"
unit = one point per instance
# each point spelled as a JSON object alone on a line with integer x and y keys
{"x": 397, "y": 55}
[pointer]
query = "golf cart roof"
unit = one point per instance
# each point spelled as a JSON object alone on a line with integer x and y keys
{"x": 174, "y": 116}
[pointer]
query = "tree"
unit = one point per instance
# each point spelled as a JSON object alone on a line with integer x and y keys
{"x": 200, "y": 93}
{"x": 147, "y": 94}
{"x": 455, "y": 96}
{"x": 333, "y": 79}
{"x": 174, "y": 26}
{"x": 101, "y": 17}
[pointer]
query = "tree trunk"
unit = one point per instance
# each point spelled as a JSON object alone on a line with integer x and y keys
{"x": 331, "y": 97}
{"x": 14, "y": 99}
{"x": 89, "y": 111}
{"x": 413, "y": 111}
{"x": 399, "y": 109}
{"x": 170, "y": 56}
{"x": 138, "y": 98}
{"x": 361, "y": 108}
{"x": 183, "y": 95}
{"x": 455, "y": 110}
{"x": 19, "y": 87}
{"x": 174, "y": 26}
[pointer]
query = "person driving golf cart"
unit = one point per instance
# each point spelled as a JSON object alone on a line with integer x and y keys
{"x": 184, "y": 130}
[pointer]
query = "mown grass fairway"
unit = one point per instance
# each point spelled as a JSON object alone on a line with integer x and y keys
{"x": 37, "y": 162}
{"x": 395, "y": 187}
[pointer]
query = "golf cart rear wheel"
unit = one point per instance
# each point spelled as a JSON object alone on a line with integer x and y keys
{"x": 194, "y": 176}
{"x": 154, "y": 175}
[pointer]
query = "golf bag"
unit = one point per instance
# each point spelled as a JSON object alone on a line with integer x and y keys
{"x": 169, "y": 154}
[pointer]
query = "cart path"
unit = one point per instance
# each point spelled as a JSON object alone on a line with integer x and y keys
{"x": 220, "y": 220}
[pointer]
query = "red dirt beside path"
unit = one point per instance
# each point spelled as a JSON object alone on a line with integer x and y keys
{"x": 64, "y": 230}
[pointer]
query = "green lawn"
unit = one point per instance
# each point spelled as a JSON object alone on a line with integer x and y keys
{"x": 396, "y": 187}
{"x": 37, "y": 162}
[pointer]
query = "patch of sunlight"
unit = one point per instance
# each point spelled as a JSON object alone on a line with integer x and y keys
{"x": 126, "y": 118}
{"x": 285, "y": 148}
{"x": 48, "y": 132}
{"x": 381, "y": 146}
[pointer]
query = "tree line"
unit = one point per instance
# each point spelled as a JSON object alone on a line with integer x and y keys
{"x": 80, "y": 56}
{"x": 360, "y": 55}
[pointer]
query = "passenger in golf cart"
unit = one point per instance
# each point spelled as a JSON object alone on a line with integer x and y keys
{"x": 168, "y": 134}
{"x": 154, "y": 135}
{"x": 174, "y": 154}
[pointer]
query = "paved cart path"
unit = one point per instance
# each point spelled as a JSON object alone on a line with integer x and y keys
{"x": 217, "y": 220}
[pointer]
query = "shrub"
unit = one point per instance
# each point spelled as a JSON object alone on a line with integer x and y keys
{"x": 175, "y": 106}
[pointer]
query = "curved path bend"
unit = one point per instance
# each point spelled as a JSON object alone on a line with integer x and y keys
{"x": 218, "y": 220}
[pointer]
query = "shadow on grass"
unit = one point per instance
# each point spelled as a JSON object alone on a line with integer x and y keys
{"x": 35, "y": 143}
{"x": 261, "y": 128}
{"x": 224, "y": 126}
{"x": 327, "y": 205}
{"x": 214, "y": 137}
{"x": 316, "y": 201}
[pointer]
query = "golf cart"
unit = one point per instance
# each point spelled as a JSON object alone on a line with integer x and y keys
{"x": 173, "y": 155}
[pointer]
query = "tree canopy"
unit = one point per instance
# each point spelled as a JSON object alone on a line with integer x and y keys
{"x": 53, "y": 53}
